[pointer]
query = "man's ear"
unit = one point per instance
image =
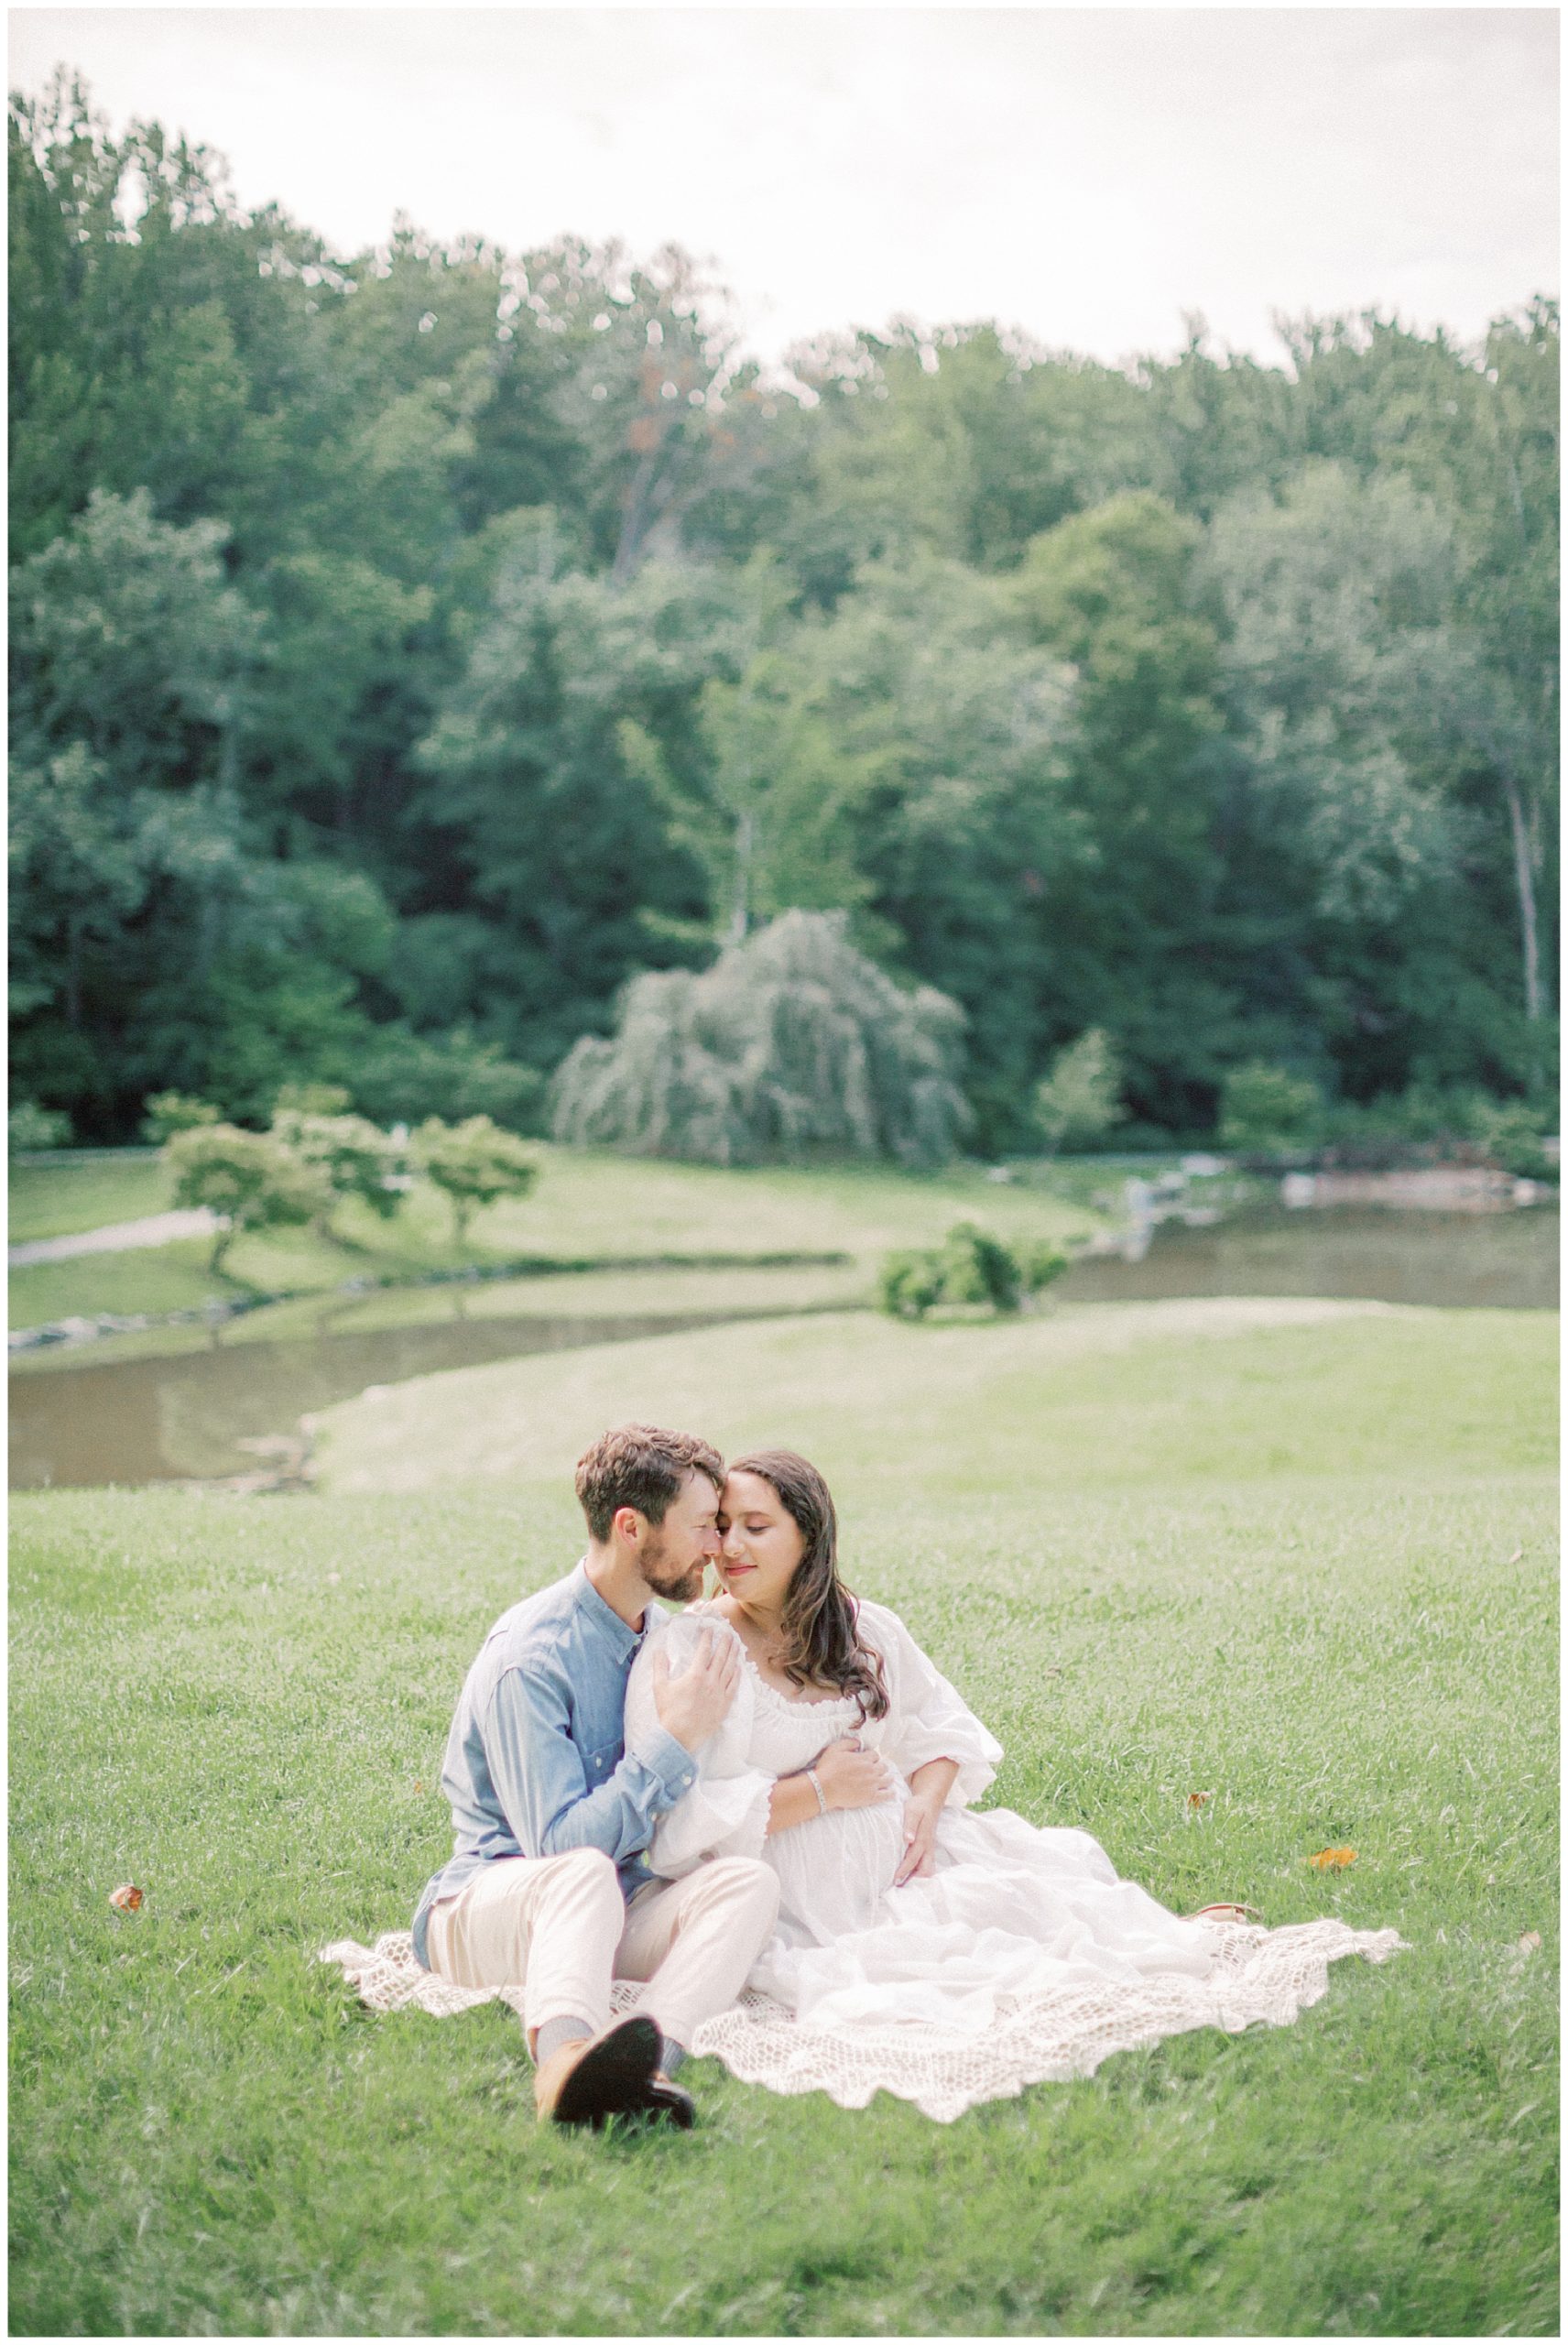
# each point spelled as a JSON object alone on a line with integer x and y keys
{"x": 628, "y": 1523}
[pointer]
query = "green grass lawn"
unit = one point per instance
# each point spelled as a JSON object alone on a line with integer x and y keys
{"x": 54, "y": 1200}
{"x": 151, "y": 1278}
{"x": 583, "y": 1207}
{"x": 1112, "y": 1395}
{"x": 1303, "y": 1565}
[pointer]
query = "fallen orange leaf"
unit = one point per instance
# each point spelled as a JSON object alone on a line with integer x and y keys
{"x": 1333, "y": 1860}
{"x": 126, "y": 1899}
{"x": 1199, "y": 1799}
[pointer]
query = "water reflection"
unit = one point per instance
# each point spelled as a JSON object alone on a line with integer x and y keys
{"x": 1453, "y": 1261}
{"x": 205, "y": 1415}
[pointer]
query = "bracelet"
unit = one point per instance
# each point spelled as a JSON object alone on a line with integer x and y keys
{"x": 815, "y": 1781}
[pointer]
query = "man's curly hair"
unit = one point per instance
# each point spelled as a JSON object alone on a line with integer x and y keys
{"x": 642, "y": 1466}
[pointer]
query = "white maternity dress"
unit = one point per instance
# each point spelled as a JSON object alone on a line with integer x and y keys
{"x": 1022, "y": 1957}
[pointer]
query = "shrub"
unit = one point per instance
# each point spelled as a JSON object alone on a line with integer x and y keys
{"x": 1510, "y": 1132}
{"x": 248, "y": 1180}
{"x": 970, "y": 1267}
{"x": 474, "y": 1162}
{"x": 30, "y": 1127}
{"x": 792, "y": 1043}
{"x": 1041, "y": 1264}
{"x": 977, "y": 1267}
{"x": 1080, "y": 1100}
{"x": 1429, "y": 1123}
{"x": 401, "y": 1077}
{"x": 168, "y": 1112}
{"x": 909, "y": 1284}
{"x": 1267, "y": 1111}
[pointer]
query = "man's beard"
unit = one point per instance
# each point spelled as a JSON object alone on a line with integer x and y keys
{"x": 683, "y": 1587}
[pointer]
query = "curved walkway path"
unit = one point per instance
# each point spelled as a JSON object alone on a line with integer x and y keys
{"x": 115, "y": 1237}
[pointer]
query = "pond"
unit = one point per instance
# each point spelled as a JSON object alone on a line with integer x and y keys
{"x": 225, "y": 1412}
{"x": 216, "y": 1414}
{"x": 1455, "y": 1261}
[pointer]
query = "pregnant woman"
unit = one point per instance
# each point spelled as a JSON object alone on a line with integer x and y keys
{"x": 945, "y": 1956}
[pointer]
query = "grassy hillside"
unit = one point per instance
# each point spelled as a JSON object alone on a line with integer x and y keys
{"x": 1098, "y": 1394}
{"x": 1302, "y": 1563}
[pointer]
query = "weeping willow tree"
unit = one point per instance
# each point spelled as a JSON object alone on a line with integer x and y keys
{"x": 792, "y": 1044}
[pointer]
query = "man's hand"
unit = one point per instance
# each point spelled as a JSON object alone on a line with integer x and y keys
{"x": 696, "y": 1704}
{"x": 851, "y": 1777}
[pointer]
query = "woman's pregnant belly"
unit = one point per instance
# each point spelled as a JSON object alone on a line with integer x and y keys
{"x": 832, "y": 1871}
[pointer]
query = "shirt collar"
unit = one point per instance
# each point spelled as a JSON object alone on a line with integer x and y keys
{"x": 601, "y": 1617}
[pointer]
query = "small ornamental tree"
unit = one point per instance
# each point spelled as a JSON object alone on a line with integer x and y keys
{"x": 1080, "y": 1100}
{"x": 354, "y": 1156}
{"x": 168, "y": 1112}
{"x": 247, "y": 1180}
{"x": 1267, "y": 1111}
{"x": 474, "y": 1162}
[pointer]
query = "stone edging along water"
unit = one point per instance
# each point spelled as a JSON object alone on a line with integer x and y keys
{"x": 219, "y": 1311}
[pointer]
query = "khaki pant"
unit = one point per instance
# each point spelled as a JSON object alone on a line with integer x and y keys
{"x": 559, "y": 1927}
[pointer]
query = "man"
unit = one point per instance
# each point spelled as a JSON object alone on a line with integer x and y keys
{"x": 547, "y": 1887}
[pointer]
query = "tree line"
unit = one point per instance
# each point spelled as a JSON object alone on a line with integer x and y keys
{"x": 414, "y": 649}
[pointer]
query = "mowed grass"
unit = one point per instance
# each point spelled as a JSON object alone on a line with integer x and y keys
{"x": 1110, "y": 1395}
{"x": 583, "y": 1207}
{"x": 1301, "y": 1566}
{"x": 84, "y": 1192}
{"x": 153, "y": 1279}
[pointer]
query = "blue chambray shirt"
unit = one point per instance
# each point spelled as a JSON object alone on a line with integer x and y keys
{"x": 535, "y": 1763}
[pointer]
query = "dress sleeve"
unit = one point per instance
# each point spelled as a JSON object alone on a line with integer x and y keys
{"x": 724, "y": 1812}
{"x": 928, "y": 1718}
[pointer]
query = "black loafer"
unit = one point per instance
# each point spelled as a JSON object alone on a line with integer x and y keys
{"x": 614, "y": 2077}
{"x": 669, "y": 2103}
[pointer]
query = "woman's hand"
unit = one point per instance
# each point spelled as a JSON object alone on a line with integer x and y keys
{"x": 928, "y": 1787}
{"x": 852, "y": 1777}
{"x": 919, "y": 1841}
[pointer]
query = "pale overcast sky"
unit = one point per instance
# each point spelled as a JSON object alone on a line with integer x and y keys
{"x": 1086, "y": 174}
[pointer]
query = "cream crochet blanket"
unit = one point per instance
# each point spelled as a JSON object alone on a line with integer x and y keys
{"x": 1258, "y": 1975}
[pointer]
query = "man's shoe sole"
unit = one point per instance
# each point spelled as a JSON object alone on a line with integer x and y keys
{"x": 613, "y": 2078}
{"x": 669, "y": 2102}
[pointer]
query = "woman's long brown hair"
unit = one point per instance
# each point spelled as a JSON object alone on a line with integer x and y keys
{"x": 821, "y": 1644}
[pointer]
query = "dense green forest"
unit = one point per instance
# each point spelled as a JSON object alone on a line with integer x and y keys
{"x": 411, "y": 648}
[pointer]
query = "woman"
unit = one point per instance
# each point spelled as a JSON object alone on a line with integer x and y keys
{"x": 945, "y": 1956}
